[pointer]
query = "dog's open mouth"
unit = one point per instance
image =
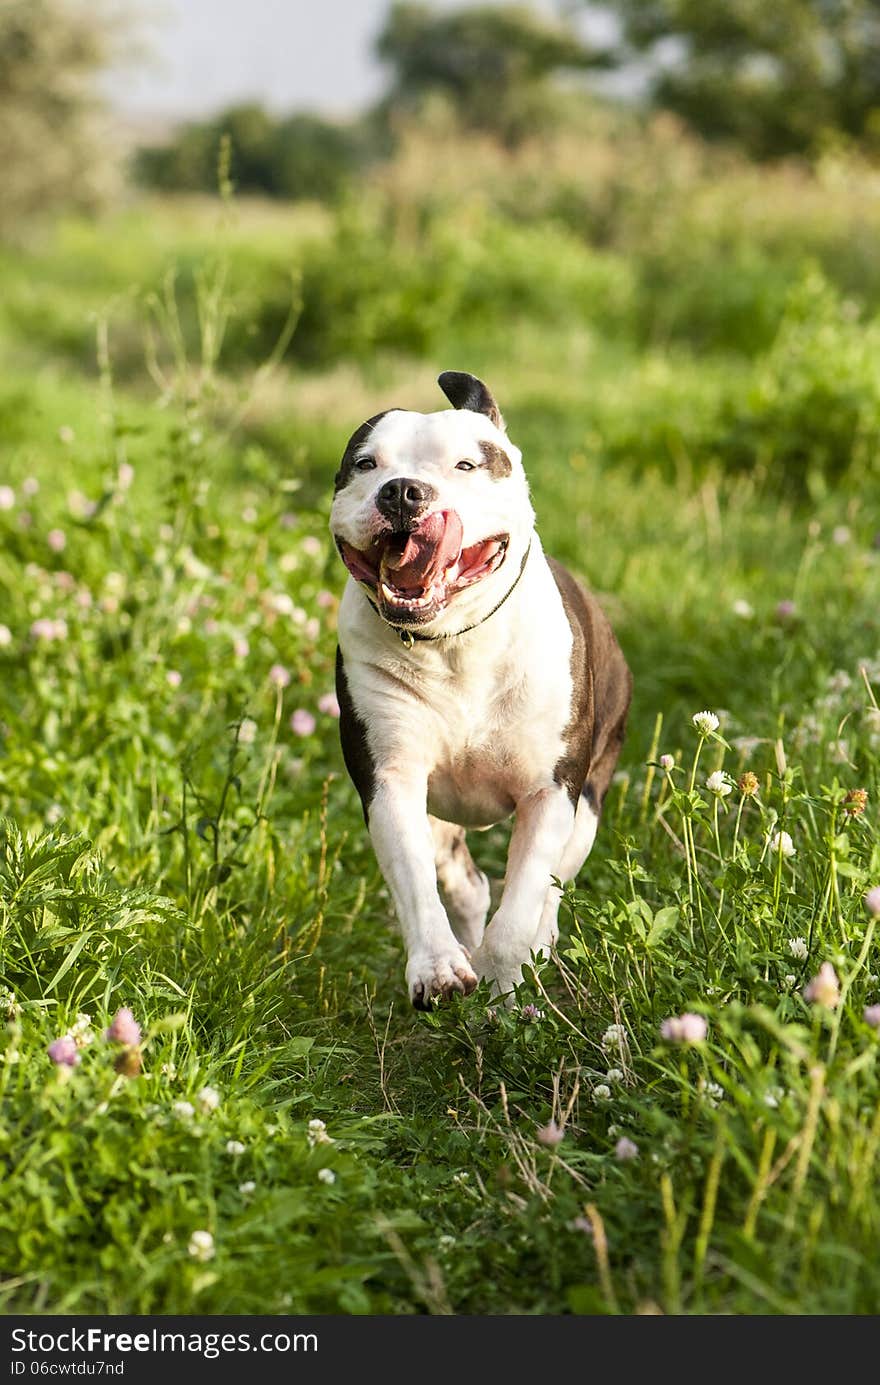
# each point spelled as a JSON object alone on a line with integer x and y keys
{"x": 414, "y": 574}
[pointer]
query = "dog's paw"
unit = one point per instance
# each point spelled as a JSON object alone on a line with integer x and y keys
{"x": 499, "y": 967}
{"x": 440, "y": 977}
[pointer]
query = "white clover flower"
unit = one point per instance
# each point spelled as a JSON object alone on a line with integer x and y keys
{"x": 281, "y": 603}
{"x": 824, "y": 989}
{"x": 839, "y": 681}
{"x": 713, "y": 1092}
{"x": 684, "y": 1029}
{"x": 719, "y": 783}
{"x": 169, "y": 1070}
{"x": 746, "y": 745}
{"x": 602, "y": 1092}
{"x": 235, "y": 1148}
{"x": 614, "y": 1075}
{"x": 247, "y": 1188}
{"x": 81, "y": 1031}
{"x": 626, "y": 1149}
{"x": 809, "y": 731}
{"x": 705, "y": 722}
{"x": 445, "y": 1242}
{"x": 782, "y": 842}
{"x": 317, "y": 1133}
{"x": 790, "y": 979}
{"x": 5, "y": 636}
{"x": 798, "y": 948}
{"x": 201, "y": 1246}
{"x": 279, "y": 676}
{"x": 614, "y": 1037}
{"x": 9, "y": 1006}
{"x": 550, "y": 1134}
{"x": 247, "y": 731}
{"x": 742, "y": 609}
{"x": 208, "y": 1099}
{"x": 184, "y": 1110}
{"x": 667, "y": 762}
{"x": 326, "y": 1175}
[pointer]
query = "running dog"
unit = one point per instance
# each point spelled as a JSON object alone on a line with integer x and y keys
{"x": 476, "y": 680}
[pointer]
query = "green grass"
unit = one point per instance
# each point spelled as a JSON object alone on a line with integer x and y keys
{"x": 174, "y": 846}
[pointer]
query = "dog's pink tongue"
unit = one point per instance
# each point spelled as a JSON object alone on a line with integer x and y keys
{"x": 429, "y": 550}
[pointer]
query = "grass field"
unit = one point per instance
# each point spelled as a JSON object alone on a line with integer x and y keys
{"x": 180, "y": 838}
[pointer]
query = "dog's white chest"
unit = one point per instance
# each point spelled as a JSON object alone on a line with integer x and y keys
{"x": 494, "y": 740}
{"x": 485, "y": 718}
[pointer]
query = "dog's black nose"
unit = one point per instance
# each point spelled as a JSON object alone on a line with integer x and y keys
{"x": 403, "y": 500}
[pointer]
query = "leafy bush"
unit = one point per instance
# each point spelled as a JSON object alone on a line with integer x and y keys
{"x": 370, "y": 286}
{"x": 812, "y": 411}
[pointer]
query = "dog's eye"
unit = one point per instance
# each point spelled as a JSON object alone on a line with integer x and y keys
{"x": 465, "y": 466}
{"x": 365, "y": 464}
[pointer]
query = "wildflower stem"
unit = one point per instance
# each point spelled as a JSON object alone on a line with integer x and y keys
{"x": 671, "y": 1238}
{"x": 807, "y": 1140}
{"x": 694, "y": 765}
{"x": 834, "y": 887}
{"x": 865, "y": 1164}
{"x": 600, "y": 1244}
{"x": 716, "y": 831}
{"x": 649, "y": 777}
{"x": 762, "y": 1183}
{"x": 707, "y": 1215}
{"x": 846, "y": 986}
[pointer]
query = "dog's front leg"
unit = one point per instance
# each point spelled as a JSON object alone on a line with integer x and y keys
{"x": 437, "y": 965}
{"x": 544, "y": 822}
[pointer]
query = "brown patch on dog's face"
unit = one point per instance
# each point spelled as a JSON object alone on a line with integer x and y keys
{"x": 495, "y": 460}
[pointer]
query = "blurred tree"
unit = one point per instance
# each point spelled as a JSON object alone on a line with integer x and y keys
{"x": 778, "y": 77}
{"x": 315, "y": 158}
{"x": 300, "y": 156}
{"x": 494, "y": 64}
{"x": 55, "y": 149}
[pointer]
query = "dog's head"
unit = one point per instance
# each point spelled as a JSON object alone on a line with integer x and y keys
{"x": 431, "y": 512}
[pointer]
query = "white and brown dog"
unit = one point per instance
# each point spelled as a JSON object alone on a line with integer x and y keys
{"x": 476, "y": 679}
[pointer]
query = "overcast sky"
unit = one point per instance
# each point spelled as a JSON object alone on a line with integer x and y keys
{"x": 286, "y": 54}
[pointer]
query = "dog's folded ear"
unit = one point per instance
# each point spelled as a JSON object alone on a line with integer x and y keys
{"x": 467, "y": 392}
